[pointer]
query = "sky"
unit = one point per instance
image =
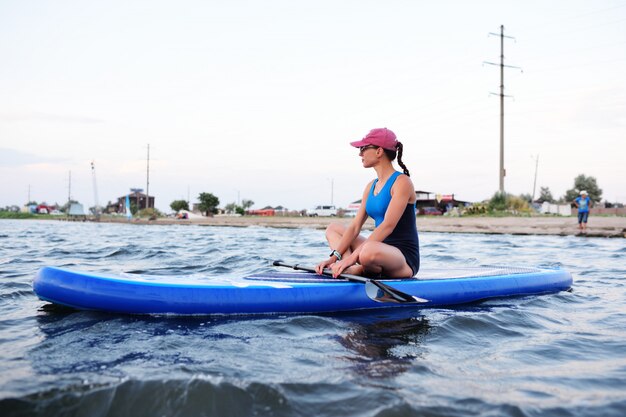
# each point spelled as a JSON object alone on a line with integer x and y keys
{"x": 259, "y": 100}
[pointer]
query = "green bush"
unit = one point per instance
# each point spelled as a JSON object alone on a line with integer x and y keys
{"x": 517, "y": 204}
{"x": 151, "y": 213}
{"x": 503, "y": 202}
{"x": 498, "y": 202}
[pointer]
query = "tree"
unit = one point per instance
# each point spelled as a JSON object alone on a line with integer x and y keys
{"x": 545, "y": 195}
{"x": 178, "y": 205}
{"x": 589, "y": 184}
{"x": 231, "y": 208}
{"x": 246, "y": 204}
{"x": 208, "y": 203}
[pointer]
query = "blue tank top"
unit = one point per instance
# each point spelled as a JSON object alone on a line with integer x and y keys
{"x": 404, "y": 236}
{"x": 376, "y": 205}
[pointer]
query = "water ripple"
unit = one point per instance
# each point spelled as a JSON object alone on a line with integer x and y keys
{"x": 553, "y": 355}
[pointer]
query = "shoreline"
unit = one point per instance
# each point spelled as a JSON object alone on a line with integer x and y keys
{"x": 598, "y": 226}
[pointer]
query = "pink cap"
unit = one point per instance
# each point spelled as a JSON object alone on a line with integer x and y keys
{"x": 382, "y": 137}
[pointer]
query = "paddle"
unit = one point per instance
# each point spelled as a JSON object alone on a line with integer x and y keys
{"x": 375, "y": 290}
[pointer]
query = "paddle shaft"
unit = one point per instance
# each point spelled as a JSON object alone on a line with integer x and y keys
{"x": 327, "y": 271}
{"x": 390, "y": 294}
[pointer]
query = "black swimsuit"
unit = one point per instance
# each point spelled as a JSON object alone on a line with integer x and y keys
{"x": 404, "y": 236}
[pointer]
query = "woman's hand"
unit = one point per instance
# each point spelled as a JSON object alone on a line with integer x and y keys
{"x": 319, "y": 268}
{"x": 340, "y": 266}
{"x": 336, "y": 267}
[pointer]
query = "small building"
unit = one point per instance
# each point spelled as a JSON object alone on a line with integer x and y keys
{"x": 29, "y": 208}
{"x": 76, "y": 212}
{"x": 76, "y": 209}
{"x": 43, "y": 208}
{"x": 560, "y": 209}
{"x": 352, "y": 208}
{"x": 281, "y": 211}
{"x": 138, "y": 198}
{"x": 265, "y": 211}
{"x": 195, "y": 208}
{"x": 442, "y": 202}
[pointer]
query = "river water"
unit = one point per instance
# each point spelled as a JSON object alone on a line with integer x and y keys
{"x": 552, "y": 355}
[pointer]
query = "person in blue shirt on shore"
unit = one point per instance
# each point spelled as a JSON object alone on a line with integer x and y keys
{"x": 583, "y": 203}
{"x": 392, "y": 249}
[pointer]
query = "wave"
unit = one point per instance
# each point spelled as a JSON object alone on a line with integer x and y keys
{"x": 211, "y": 396}
{"x": 193, "y": 397}
{"x": 15, "y": 294}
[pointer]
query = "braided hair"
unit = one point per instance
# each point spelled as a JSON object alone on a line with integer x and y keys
{"x": 391, "y": 154}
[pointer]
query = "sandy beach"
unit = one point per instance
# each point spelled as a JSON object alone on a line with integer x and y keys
{"x": 600, "y": 226}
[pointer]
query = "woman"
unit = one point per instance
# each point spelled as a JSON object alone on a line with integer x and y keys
{"x": 583, "y": 204}
{"x": 392, "y": 250}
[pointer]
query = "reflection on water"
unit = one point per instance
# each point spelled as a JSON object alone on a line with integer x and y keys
{"x": 384, "y": 348}
{"x": 103, "y": 360}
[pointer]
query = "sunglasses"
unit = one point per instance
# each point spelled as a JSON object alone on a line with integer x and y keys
{"x": 364, "y": 148}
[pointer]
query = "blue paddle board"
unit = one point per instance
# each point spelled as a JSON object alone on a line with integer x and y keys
{"x": 282, "y": 292}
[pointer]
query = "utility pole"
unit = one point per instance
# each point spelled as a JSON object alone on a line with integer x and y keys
{"x": 148, "y": 180}
{"x": 502, "y": 171}
{"x": 96, "y": 208}
{"x": 535, "y": 182}
{"x": 69, "y": 194}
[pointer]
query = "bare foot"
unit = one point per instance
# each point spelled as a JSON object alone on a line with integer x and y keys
{"x": 354, "y": 270}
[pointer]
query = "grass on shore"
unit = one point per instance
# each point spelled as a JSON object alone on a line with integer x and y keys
{"x": 19, "y": 215}
{"x": 14, "y": 215}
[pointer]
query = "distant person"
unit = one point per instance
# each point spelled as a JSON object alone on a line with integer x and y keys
{"x": 392, "y": 250}
{"x": 583, "y": 203}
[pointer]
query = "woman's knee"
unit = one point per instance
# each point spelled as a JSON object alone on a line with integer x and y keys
{"x": 335, "y": 229}
{"x": 376, "y": 257}
{"x": 370, "y": 254}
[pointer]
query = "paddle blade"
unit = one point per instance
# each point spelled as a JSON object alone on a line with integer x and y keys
{"x": 381, "y": 293}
